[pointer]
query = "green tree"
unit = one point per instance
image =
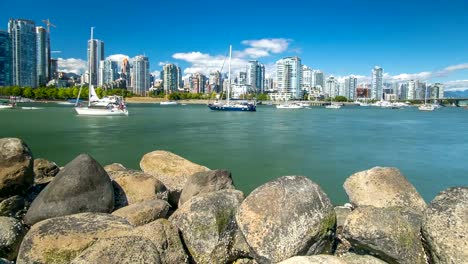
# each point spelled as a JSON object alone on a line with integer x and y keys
{"x": 340, "y": 98}
{"x": 16, "y": 91}
{"x": 28, "y": 92}
{"x": 100, "y": 92}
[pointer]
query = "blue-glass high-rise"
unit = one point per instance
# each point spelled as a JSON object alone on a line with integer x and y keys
{"x": 42, "y": 60}
{"x": 5, "y": 59}
{"x": 23, "y": 52}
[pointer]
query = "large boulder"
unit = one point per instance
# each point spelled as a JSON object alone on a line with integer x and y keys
{"x": 383, "y": 187}
{"x": 144, "y": 212}
{"x": 132, "y": 187}
{"x": 205, "y": 182}
{"x": 206, "y": 221}
{"x": 287, "y": 217}
{"x": 445, "y": 226}
{"x": 172, "y": 170}
{"x": 11, "y": 234}
{"x": 391, "y": 234}
{"x": 114, "y": 167}
{"x": 61, "y": 239}
{"x": 82, "y": 186}
{"x": 317, "y": 259}
{"x": 16, "y": 167}
{"x": 13, "y": 207}
{"x": 165, "y": 236}
{"x": 44, "y": 171}
{"x": 350, "y": 258}
{"x": 120, "y": 250}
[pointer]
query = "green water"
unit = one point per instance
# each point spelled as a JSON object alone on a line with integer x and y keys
{"x": 430, "y": 148}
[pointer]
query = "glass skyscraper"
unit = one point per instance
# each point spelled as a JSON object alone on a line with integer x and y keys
{"x": 24, "y": 52}
{"x": 95, "y": 55}
{"x": 289, "y": 76}
{"x": 377, "y": 83}
{"x": 42, "y": 60}
{"x": 5, "y": 59}
{"x": 141, "y": 75}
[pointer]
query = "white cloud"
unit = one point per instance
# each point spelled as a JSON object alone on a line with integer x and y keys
{"x": 118, "y": 57}
{"x": 277, "y": 45}
{"x": 458, "y": 85}
{"x": 156, "y": 74}
{"x": 77, "y": 66}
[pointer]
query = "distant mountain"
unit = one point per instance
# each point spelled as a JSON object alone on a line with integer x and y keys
{"x": 72, "y": 75}
{"x": 456, "y": 94}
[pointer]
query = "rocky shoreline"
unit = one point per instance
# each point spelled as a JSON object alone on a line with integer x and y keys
{"x": 176, "y": 211}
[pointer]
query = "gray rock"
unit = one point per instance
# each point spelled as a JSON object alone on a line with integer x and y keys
{"x": 244, "y": 261}
{"x": 144, "y": 212}
{"x": 16, "y": 167}
{"x": 350, "y": 258}
{"x": 5, "y": 261}
{"x": 114, "y": 167}
{"x": 82, "y": 186}
{"x": 341, "y": 245}
{"x": 132, "y": 187}
{"x": 120, "y": 250}
{"x": 11, "y": 234}
{"x": 317, "y": 259}
{"x": 165, "y": 236}
{"x": 13, "y": 207}
{"x": 44, "y": 171}
{"x": 61, "y": 239}
{"x": 445, "y": 226}
{"x": 172, "y": 170}
{"x": 286, "y": 217}
{"x": 383, "y": 187}
{"x": 205, "y": 182}
{"x": 391, "y": 234}
{"x": 206, "y": 221}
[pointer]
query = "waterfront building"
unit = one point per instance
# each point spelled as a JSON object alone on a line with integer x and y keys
{"x": 438, "y": 91}
{"x": 377, "y": 83}
{"x": 170, "y": 77}
{"x": 215, "y": 82}
{"x": 411, "y": 93}
{"x": 351, "y": 85}
{"x": 125, "y": 73}
{"x": 5, "y": 59}
{"x": 108, "y": 72}
{"x": 140, "y": 75}
{"x": 288, "y": 76}
{"x": 180, "y": 83}
{"x": 403, "y": 91}
{"x": 318, "y": 80}
{"x": 256, "y": 76}
{"x": 269, "y": 84}
{"x": 198, "y": 81}
{"x": 307, "y": 78}
{"x": 242, "y": 78}
{"x": 23, "y": 52}
{"x": 331, "y": 87}
{"x": 95, "y": 55}
{"x": 42, "y": 59}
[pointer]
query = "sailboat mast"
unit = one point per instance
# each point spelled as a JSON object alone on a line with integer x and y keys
{"x": 425, "y": 94}
{"x": 229, "y": 74}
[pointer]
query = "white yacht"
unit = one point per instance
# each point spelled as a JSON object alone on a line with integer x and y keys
{"x": 289, "y": 106}
{"x": 426, "y": 106}
{"x": 168, "y": 103}
{"x": 333, "y": 106}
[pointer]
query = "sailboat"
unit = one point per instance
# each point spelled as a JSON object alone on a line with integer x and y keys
{"x": 426, "y": 106}
{"x": 112, "y": 106}
{"x": 228, "y": 105}
{"x": 333, "y": 105}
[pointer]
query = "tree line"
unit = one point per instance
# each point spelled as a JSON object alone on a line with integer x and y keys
{"x": 52, "y": 93}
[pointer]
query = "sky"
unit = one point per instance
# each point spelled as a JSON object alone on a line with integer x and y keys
{"x": 412, "y": 39}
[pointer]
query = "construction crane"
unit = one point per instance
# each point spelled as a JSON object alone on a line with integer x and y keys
{"x": 48, "y": 24}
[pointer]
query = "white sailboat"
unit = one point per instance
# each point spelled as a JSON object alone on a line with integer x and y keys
{"x": 114, "y": 107}
{"x": 426, "y": 106}
{"x": 333, "y": 105}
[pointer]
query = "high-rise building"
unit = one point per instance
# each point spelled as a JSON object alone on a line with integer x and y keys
{"x": 170, "y": 78}
{"x": 216, "y": 81}
{"x": 42, "y": 59}
{"x": 23, "y": 52}
{"x": 269, "y": 84}
{"x": 53, "y": 68}
{"x": 411, "y": 90}
{"x": 140, "y": 75}
{"x": 125, "y": 73}
{"x": 331, "y": 87}
{"x": 377, "y": 83}
{"x": 108, "y": 72}
{"x": 256, "y": 76}
{"x": 180, "y": 83}
{"x": 95, "y": 55}
{"x": 5, "y": 59}
{"x": 289, "y": 75}
{"x": 307, "y": 78}
{"x": 242, "y": 78}
{"x": 350, "y": 87}
{"x": 318, "y": 80}
{"x": 198, "y": 82}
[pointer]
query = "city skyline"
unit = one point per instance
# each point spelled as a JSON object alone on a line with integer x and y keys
{"x": 418, "y": 40}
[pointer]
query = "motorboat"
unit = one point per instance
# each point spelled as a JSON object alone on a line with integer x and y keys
{"x": 289, "y": 106}
{"x": 333, "y": 106}
{"x": 168, "y": 103}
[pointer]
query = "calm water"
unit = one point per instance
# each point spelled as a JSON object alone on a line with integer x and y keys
{"x": 323, "y": 144}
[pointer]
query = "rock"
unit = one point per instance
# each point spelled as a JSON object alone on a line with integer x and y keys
{"x": 445, "y": 226}
{"x": 11, "y": 234}
{"x": 165, "y": 237}
{"x": 5, "y": 261}
{"x": 132, "y": 187}
{"x": 286, "y": 217}
{"x": 82, "y": 186}
{"x": 13, "y": 207}
{"x": 172, "y": 170}
{"x": 341, "y": 245}
{"x": 113, "y": 168}
{"x": 391, "y": 234}
{"x": 317, "y": 259}
{"x": 120, "y": 250}
{"x": 383, "y": 187}
{"x": 61, "y": 239}
{"x": 342, "y": 213}
{"x": 205, "y": 220}
{"x": 44, "y": 171}
{"x": 244, "y": 261}
{"x": 144, "y": 212}
{"x": 205, "y": 182}
{"x": 350, "y": 258}
{"x": 16, "y": 167}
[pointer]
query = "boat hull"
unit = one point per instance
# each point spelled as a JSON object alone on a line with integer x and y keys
{"x": 168, "y": 103}
{"x": 289, "y": 107}
{"x": 239, "y": 108}
{"x": 6, "y": 106}
{"x": 85, "y": 111}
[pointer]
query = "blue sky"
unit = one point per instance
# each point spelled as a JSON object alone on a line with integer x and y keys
{"x": 409, "y": 39}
